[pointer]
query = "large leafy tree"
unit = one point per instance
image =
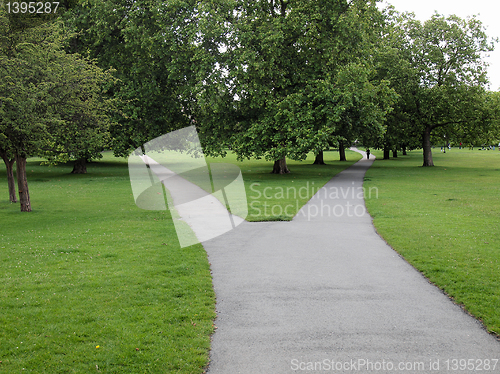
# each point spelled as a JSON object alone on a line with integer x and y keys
{"x": 485, "y": 131}
{"x": 5, "y": 147}
{"x": 49, "y": 100}
{"x": 446, "y": 91}
{"x": 15, "y": 30}
{"x": 154, "y": 46}
{"x": 367, "y": 101}
{"x": 401, "y": 132}
{"x": 362, "y": 102}
{"x": 279, "y": 89}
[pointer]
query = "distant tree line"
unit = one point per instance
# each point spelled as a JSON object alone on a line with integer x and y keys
{"x": 273, "y": 79}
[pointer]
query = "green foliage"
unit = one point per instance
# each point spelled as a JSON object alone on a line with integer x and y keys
{"x": 280, "y": 79}
{"x": 487, "y": 130}
{"x": 291, "y": 78}
{"x": 51, "y": 102}
{"x": 367, "y": 101}
{"x": 400, "y": 129}
{"x": 154, "y": 47}
{"x": 437, "y": 69}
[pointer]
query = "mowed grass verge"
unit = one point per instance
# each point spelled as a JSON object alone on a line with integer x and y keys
{"x": 445, "y": 221}
{"x": 91, "y": 283}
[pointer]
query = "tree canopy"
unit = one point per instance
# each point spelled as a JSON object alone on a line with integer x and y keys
{"x": 154, "y": 46}
{"x": 438, "y": 70}
{"x": 51, "y": 102}
{"x": 291, "y": 74}
{"x": 273, "y": 79}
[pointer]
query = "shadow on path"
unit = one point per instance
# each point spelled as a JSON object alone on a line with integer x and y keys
{"x": 325, "y": 293}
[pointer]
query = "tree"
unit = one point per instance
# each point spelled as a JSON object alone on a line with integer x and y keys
{"x": 278, "y": 91}
{"x": 44, "y": 96}
{"x": 12, "y": 33}
{"x": 368, "y": 100}
{"x": 446, "y": 55}
{"x": 365, "y": 102}
{"x": 155, "y": 47}
{"x": 401, "y": 132}
{"x": 9, "y": 159}
{"x": 484, "y": 131}
{"x": 83, "y": 112}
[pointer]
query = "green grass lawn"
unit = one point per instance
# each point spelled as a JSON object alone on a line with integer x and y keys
{"x": 445, "y": 221}
{"x": 91, "y": 283}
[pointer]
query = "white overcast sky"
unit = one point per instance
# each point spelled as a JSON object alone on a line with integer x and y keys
{"x": 488, "y": 11}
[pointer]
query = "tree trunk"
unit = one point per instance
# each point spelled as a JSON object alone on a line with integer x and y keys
{"x": 426, "y": 145}
{"x": 395, "y": 153}
{"x": 9, "y": 165}
{"x": 280, "y": 167}
{"x": 342, "y": 151}
{"x": 22, "y": 184}
{"x": 387, "y": 153}
{"x": 319, "y": 159}
{"x": 404, "y": 150}
{"x": 80, "y": 166}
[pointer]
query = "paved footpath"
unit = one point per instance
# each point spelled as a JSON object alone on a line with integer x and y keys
{"x": 324, "y": 293}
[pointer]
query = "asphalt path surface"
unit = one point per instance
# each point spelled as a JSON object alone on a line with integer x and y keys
{"x": 325, "y": 293}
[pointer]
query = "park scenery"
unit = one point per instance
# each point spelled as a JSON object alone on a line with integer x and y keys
{"x": 136, "y": 134}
